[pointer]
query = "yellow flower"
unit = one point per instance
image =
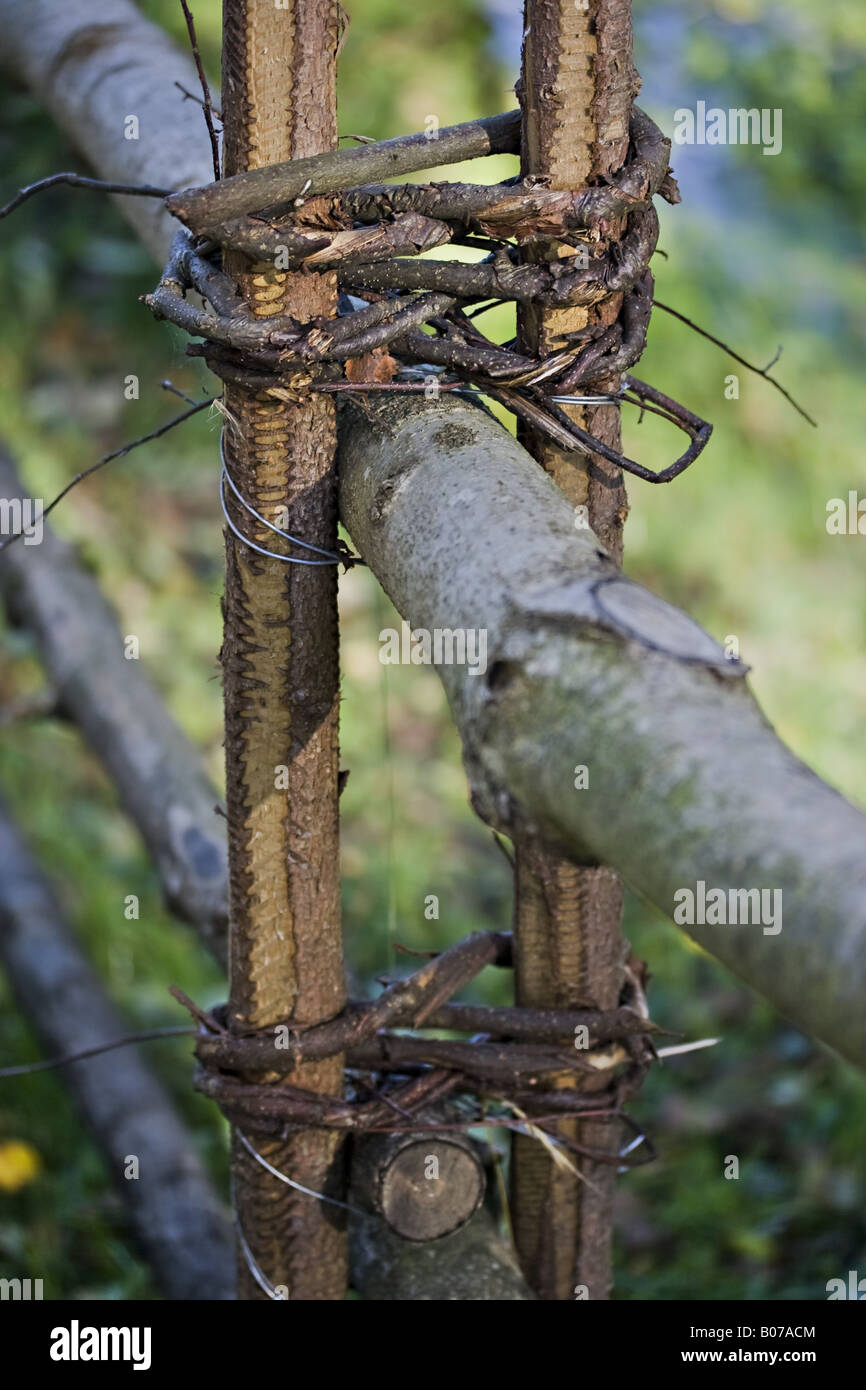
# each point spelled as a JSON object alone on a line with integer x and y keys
{"x": 19, "y": 1164}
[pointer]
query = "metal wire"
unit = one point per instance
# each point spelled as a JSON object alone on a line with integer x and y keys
{"x": 296, "y": 540}
{"x": 226, "y": 477}
{"x": 263, "y": 1283}
{"x": 290, "y": 1182}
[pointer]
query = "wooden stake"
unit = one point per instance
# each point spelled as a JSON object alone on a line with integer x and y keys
{"x": 577, "y": 88}
{"x": 280, "y": 669}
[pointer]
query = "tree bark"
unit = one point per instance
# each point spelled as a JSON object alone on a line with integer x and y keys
{"x": 175, "y": 1215}
{"x": 472, "y": 1265}
{"x": 280, "y": 667}
{"x": 577, "y": 87}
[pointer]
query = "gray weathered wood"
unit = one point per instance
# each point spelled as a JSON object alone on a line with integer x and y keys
{"x": 158, "y": 774}
{"x": 424, "y": 1185}
{"x": 687, "y": 781}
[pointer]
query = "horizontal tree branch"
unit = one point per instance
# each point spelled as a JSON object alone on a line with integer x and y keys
{"x": 552, "y": 284}
{"x": 526, "y": 211}
{"x": 207, "y": 210}
{"x": 175, "y": 1214}
{"x": 472, "y": 1265}
{"x": 687, "y": 783}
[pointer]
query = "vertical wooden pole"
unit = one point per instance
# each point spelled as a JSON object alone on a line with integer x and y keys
{"x": 280, "y": 669}
{"x": 576, "y": 91}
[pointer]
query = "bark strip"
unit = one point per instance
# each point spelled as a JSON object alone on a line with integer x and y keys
{"x": 280, "y": 666}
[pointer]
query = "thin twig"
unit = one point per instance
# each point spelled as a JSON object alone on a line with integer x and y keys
{"x": 206, "y": 101}
{"x": 176, "y": 391}
{"x": 133, "y": 190}
{"x": 750, "y": 366}
{"x": 191, "y": 96}
{"x": 109, "y": 458}
{"x": 29, "y": 1068}
{"x": 205, "y": 1018}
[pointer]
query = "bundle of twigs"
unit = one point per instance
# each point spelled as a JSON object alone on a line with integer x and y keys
{"x": 550, "y": 248}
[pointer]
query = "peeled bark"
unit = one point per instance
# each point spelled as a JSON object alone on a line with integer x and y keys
{"x": 281, "y": 666}
{"x": 175, "y": 1215}
{"x": 687, "y": 780}
{"x": 577, "y": 88}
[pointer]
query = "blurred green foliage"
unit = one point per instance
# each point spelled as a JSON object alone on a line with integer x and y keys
{"x": 760, "y": 252}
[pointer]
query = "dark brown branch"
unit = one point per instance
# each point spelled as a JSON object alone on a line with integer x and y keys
{"x": 408, "y": 313}
{"x": 750, "y": 366}
{"x": 269, "y": 1109}
{"x": 524, "y": 211}
{"x": 552, "y": 284}
{"x": 408, "y": 234}
{"x": 540, "y": 1025}
{"x": 546, "y": 417}
{"x": 617, "y": 348}
{"x": 502, "y": 1065}
{"x": 132, "y": 190}
{"x": 465, "y": 358}
{"x": 411, "y": 1000}
{"x": 206, "y": 210}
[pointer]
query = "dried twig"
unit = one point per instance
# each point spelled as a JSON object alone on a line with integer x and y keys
{"x": 192, "y": 96}
{"x": 109, "y": 458}
{"x": 30, "y": 1068}
{"x": 132, "y": 190}
{"x": 750, "y": 366}
{"x": 206, "y": 101}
